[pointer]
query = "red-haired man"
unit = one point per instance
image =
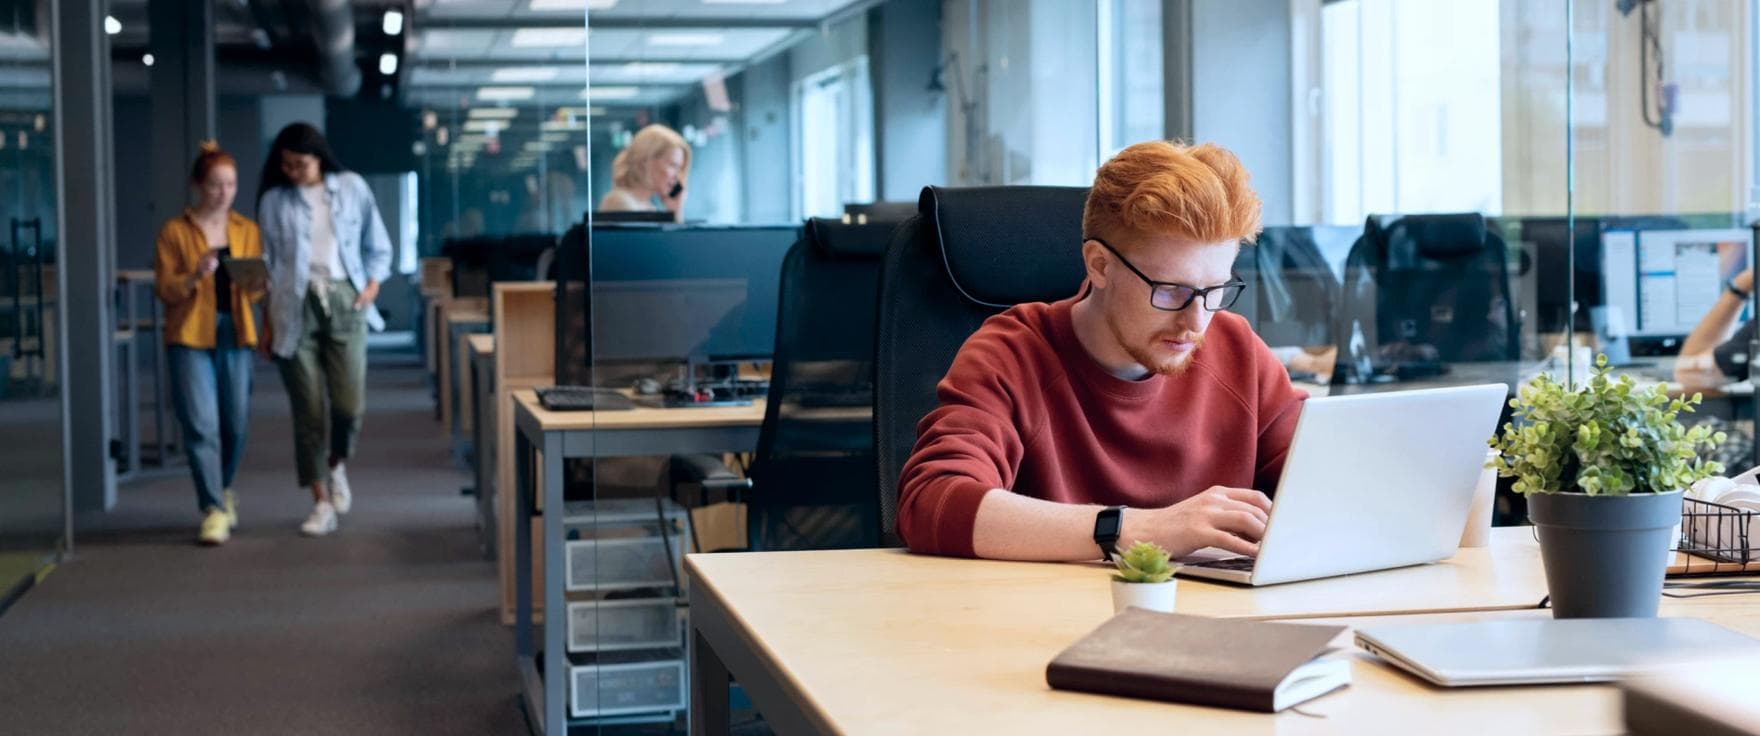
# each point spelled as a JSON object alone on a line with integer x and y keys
{"x": 1135, "y": 410}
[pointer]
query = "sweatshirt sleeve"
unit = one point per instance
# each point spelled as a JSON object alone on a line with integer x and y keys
{"x": 970, "y": 444}
{"x": 1280, "y": 404}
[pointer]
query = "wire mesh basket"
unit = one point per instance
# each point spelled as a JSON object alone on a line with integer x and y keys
{"x": 1716, "y": 538}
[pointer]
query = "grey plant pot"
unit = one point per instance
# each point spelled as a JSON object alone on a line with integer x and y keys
{"x": 1605, "y": 556}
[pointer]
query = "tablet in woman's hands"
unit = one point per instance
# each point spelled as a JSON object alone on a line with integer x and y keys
{"x": 246, "y": 272}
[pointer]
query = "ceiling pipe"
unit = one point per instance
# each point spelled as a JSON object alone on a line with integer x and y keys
{"x": 333, "y": 31}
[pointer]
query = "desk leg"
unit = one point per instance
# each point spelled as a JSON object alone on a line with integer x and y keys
{"x": 555, "y": 610}
{"x": 522, "y": 547}
{"x": 710, "y": 714}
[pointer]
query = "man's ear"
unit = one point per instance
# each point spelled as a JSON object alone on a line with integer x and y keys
{"x": 1095, "y": 260}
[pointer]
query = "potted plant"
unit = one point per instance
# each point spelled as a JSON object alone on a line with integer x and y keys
{"x": 1603, "y": 466}
{"x": 1144, "y": 579}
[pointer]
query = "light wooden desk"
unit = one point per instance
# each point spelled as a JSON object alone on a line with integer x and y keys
{"x": 542, "y": 440}
{"x": 882, "y": 641}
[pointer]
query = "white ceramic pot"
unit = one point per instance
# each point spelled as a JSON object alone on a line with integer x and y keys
{"x": 1150, "y": 596}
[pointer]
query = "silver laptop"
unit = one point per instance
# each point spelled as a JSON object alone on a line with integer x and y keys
{"x": 1542, "y": 651}
{"x": 1371, "y": 482}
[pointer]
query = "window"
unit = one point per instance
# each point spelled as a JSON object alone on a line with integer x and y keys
{"x": 834, "y": 140}
{"x": 1411, "y": 116}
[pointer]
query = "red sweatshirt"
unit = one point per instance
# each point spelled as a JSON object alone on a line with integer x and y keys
{"x": 1025, "y": 408}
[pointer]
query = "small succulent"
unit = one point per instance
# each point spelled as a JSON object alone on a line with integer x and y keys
{"x": 1144, "y": 562}
{"x": 1607, "y": 437}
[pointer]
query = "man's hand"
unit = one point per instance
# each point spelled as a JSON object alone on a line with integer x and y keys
{"x": 367, "y": 296}
{"x": 1232, "y": 519}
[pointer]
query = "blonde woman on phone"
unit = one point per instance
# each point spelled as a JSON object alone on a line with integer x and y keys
{"x": 209, "y": 333}
{"x": 653, "y": 168}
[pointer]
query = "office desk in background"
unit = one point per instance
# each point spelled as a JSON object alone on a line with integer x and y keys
{"x": 882, "y": 641}
{"x": 1653, "y": 371}
{"x": 448, "y": 312}
{"x": 542, "y": 440}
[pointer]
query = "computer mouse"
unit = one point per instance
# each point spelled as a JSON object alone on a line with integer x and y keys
{"x": 647, "y": 386}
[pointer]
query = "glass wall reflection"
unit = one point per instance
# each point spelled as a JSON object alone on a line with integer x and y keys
{"x": 31, "y": 498}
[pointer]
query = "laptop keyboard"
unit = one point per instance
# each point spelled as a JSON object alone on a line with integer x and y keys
{"x": 1244, "y": 564}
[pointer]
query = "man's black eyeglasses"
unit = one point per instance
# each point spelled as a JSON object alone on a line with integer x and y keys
{"x": 1168, "y": 296}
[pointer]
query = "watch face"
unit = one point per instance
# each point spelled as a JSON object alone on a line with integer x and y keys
{"x": 1107, "y": 524}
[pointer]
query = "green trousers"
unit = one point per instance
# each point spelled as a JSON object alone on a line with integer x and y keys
{"x": 326, "y": 381}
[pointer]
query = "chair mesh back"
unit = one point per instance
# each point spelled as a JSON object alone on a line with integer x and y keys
{"x": 967, "y": 255}
{"x": 1423, "y": 291}
{"x": 813, "y": 479}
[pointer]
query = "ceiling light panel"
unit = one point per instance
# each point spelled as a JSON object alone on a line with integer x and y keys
{"x": 550, "y": 38}
{"x": 505, "y": 94}
{"x": 525, "y": 74}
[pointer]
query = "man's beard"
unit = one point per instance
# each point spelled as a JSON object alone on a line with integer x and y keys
{"x": 1157, "y": 362}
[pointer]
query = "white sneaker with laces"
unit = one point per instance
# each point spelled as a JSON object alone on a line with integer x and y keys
{"x": 321, "y": 522}
{"x": 340, "y": 494}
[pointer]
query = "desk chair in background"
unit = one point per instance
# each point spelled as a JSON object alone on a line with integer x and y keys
{"x": 967, "y": 255}
{"x": 813, "y": 474}
{"x": 1421, "y": 292}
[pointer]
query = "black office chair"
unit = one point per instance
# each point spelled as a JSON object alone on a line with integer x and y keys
{"x": 1421, "y": 292}
{"x": 813, "y": 473}
{"x": 968, "y": 254}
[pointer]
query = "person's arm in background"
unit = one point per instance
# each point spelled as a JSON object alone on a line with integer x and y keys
{"x": 375, "y": 247}
{"x": 954, "y": 496}
{"x": 172, "y": 276}
{"x": 1695, "y": 367}
{"x": 254, "y": 292}
{"x": 269, "y": 213}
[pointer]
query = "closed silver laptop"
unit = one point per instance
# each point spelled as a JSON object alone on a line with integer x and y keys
{"x": 1543, "y": 651}
{"x": 1371, "y": 482}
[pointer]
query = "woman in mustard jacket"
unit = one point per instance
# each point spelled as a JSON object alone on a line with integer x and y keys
{"x": 210, "y": 333}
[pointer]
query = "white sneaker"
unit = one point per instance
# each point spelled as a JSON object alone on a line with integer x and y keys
{"x": 340, "y": 494}
{"x": 321, "y": 522}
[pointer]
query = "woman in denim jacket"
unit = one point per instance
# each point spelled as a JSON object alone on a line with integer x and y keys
{"x": 328, "y": 252}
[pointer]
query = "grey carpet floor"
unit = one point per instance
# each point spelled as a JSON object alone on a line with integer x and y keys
{"x": 387, "y": 627}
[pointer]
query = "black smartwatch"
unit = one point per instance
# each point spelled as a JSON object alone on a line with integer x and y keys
{"x": 1736, "y": 290}
{"x": 1108, "y": 524}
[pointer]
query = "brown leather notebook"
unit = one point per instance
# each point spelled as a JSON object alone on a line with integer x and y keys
{"x": 1246, "y": 665}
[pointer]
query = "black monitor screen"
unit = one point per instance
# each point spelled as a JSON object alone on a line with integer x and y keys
{"x": 672, "y": 293}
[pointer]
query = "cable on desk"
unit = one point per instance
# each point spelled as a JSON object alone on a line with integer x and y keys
{"x": 1711, "y": 589}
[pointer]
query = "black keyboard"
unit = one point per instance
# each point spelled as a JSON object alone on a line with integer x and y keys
{"x": 1244, "y": 564}
{"x": 583, "y": 398}
{"x": 834, "y": 399}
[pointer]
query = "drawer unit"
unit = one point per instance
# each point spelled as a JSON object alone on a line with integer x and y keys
{"x": 607, "y": 689}
{"x": 612, "y": 563}
{"x": 620, "y": 625}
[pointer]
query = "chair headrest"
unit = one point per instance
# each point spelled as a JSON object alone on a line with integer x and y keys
{"x": 834, "y": 240}
{"x": 1444, "y": 236}
{"x": 1009, "y": 245}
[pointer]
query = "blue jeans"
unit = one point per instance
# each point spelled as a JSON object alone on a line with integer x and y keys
{"x": 211, "y": 390}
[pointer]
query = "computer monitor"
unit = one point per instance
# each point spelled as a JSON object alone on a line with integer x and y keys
{"x": 667, "y": 294}
{"x": 1552, "y": 240}
{"x": 1658, "y": 284}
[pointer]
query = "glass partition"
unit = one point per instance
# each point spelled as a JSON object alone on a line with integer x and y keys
{"x": 1662, "y": 162}
{"x": 31, "y": 459}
